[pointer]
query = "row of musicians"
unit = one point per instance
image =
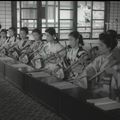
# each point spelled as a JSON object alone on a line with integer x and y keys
{"x": 29, "y": 52}
{"x": 70, "y": 63}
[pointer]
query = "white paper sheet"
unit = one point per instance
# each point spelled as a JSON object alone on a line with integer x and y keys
{"x": 5, "y": 58}
{"x": 40, "y": 74}
{"x": 101, "y": 101}
{"x": 110, "y": 106}
{"x": 63, "y": 85}
{"x": 20, "y": 65}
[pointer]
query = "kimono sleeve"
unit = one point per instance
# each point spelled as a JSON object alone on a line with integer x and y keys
{"x": 93, "y": 67}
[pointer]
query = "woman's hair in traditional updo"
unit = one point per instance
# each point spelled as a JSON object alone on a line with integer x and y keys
{"x": 108, "y": 40}
{"x": 24, "y": 29}
{"x": 4, "y": 30}
{"x": 14, "y": 30}
{"x": 113, "y": 34}
{"x": 52, "y": 32}
{"x": 77, "y": 35}
{"x": 37, "y": 31}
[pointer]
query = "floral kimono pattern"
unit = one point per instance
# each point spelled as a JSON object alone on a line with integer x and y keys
{"x": 20, "y": 47}
{"x": 28, "y": 53}
{"x": 77, "y": 59}
{"x": 37, "y": 59}
{"x": 2, "y": 41}
{"x": 103, "y": 83}
{"x": 23, "y": 43}
{"x": 8, "y": 44}
{"x": 51, "y": 60}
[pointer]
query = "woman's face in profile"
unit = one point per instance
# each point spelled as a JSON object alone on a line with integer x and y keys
{"x": 23, "y": 34}
{"x": 49, "y": 37}
{"x": 11, "y": 32}
{"x": 36, "y": 35}
{"x": 103, "y": 49}
{"x": 3, "y": 34}
{"x": 72, "y": 41}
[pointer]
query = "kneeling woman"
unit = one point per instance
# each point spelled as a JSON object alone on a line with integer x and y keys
{"x": 28, "y": 54}
{"x": 50, "y": 57}
{"x": 10, "y": 42}
{"x": 103, "y": 83}
{"x": 22, "y": 43}
{"x": 3, "y": 38}
{"x": 76, "y": 58}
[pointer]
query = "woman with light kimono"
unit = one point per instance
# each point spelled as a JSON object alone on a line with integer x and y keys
{"x": 10, "y": 42}
{"x": 23, "y": 40}
{"x": 11, "y": 39}
{"x": 104, "y": 83}
{"x": 76, "y": 57}
{"x": 22, "y": 43}
{"x": 3, "y": 36}
{"x": 37, "y": 49}
{"x": 28, "y": 53}
{"x": 51, "y": 55}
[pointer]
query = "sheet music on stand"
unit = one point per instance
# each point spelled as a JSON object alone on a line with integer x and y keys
{"x": 63, "y": 85}
{"x": 105, "y": 103}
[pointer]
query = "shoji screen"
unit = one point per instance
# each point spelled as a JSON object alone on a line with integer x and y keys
{"x": 5, "y": 14}
{"x": 114, "y": 21}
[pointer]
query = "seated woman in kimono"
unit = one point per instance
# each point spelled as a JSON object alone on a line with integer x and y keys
{"x": 51, "y": 55}
{"x": 37, "y": 47}
{"x": 10, "y": 42}
{"x": 76, "y": 57}
{"x": 3, "y": 36}
{"x": 22, "y": 43}
{"x": 104, "y": 82}
{"x": 113, "y": 34}
{"x": 28, "y": 53}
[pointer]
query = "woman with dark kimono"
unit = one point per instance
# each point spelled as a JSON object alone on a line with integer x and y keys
{"x": 76, "y": 58}
{"x": 104, "y": 65}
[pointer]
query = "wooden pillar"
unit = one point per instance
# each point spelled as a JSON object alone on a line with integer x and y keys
{"x": 74, "y": 15}
{"x": 39, "y": 14}
{"x": 107, "y": 15}
{"x": 14, "y": 14}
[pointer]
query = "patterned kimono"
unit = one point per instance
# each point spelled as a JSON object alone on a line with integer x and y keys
{"x": 77, "y": 59}
{"x": 35, "y": 45}
{"x": 104, "y": 83}
{"x": 8, "y": 44}
{"x": 52, "y": 61}
{"x": 23, "y": 43}
{"x": 36, "y": 61}
{"x": 20, "y": 46}
{"x": 2, "y": 41}
{"x": 2, "y": 49}
{"x": 28, "y": 54}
